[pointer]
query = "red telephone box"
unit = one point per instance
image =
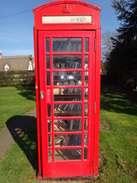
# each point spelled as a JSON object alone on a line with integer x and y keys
{"x": 67, "y": 43}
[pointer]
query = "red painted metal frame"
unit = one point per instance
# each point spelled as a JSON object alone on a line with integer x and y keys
{"x": 42, "y": 36}
{"x": 78, "y": 8}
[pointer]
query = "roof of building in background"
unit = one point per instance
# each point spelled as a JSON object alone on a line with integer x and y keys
{"x": 16, "y": 63}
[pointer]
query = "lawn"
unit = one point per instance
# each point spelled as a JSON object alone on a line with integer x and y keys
{"x": 15, "y": 101}
{"x": 118, "y": 135}
{"x": 118, "y": 143}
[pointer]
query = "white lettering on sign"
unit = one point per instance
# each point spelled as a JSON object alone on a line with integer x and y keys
{"x": 66, "y": 19}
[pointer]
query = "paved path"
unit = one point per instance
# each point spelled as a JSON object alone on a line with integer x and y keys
{"x": 8, "y": 136}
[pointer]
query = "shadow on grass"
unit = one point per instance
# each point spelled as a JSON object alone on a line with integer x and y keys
{"x": 28, "y": 92}
{"x": 119, "y": 100}
{"x": 23, "y": 131}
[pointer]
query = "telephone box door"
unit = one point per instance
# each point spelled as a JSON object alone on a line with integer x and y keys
{"x": 67, "y": 91}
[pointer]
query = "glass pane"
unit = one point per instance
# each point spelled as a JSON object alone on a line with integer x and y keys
{"x": 86, "y": 45}
{"x": 86, "y": 94}
{"x": 86, "y": 109}
{"x": 67, "y": 125}
{"x": 67, "y": 44}
{"x": 76, "y": 125}
{"x": 67, "y": 62}
{"x": 49, "y": 110}
{"x": 67, "y": 94}
{"x": 85, "y": 153}
{"x": 67, "y": 110}
{"x": 47, "y": 62}
{"x": 47, "y": 45}
{"x": 59, "y": 140}
{"x": 85, "y": 140}
{"x": 50, "y": 155}
{"x": 67, "y": 140}
{"x": 67, "y": 78}
{"x": 49, "y": 140}
{"x": 48, "y": 78}
{"x": 67, "y": 154}
{"x": 86, "y": 78}
{"x": 49, "y": 126}
{"x": 85, "y": 124}
{"x": 86, "y": 62}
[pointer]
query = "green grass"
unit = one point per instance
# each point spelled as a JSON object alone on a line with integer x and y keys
{"x": 19, "y": 164}
{"x": 15, "y": 101}
{"x": 118, "y": 143}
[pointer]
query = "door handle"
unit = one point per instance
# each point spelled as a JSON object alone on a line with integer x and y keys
{"x": 42, "y": 94}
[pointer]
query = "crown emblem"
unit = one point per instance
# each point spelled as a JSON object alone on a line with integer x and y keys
{"x": 67, "y": 9}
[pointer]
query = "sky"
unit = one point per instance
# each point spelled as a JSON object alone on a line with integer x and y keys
{"x": 17, "y": 21}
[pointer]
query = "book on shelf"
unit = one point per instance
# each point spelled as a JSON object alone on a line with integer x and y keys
{"x": 71, "y": 125}
{"x": 85, "y": 124}
{"x": 64, "y": 46}
{"x": 62, "y": 124}
{"x": 74, "y": 47}
{"x": 67, "y": 140}
{"x": 68, "y": 49}
{"x": 79, "y": 49}
{"x": 66, "y": 106}
{"x": 75, "y": 125}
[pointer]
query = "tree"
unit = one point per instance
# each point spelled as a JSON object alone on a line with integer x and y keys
{"x": 123, "y": 58}
{"x": 107, "y": 45}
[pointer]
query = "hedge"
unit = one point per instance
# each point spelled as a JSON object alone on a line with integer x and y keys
{"x": 17, "y": 78}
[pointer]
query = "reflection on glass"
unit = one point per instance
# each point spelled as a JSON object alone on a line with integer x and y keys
{"x": 67, "y": 62}
{"x": 47, "y": 62}
{"x": 86, "y": 109}
{"x": 85, "y": 124}
{"x": 49, "y": 126}
{"x": 86, "y": 62}
{"x": 85, "y": 153}
{"x": 67, "y": 94}
{"x": 67, "y": 140}
{"x": 67, "y": 154}
{"x": 49, "y": 110}
{"x": 67, "y": 44}
{"x": 67, "y": 125}
{"x": 86, "y": 45}
{"x": 50, "y": 155}
{"x": 48, "y": 78}
{"x": 86, "y": 78}
{"x": 67, "y": 110}
{"x": 67, "y": 78}
{"x": 86, "y": 94}
{"x": 47, "y": 45}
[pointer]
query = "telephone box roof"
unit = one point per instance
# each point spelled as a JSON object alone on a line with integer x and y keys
{"x": 56, "y": 2}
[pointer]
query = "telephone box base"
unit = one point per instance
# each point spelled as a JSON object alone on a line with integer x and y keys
{"x": 92, "y": 177}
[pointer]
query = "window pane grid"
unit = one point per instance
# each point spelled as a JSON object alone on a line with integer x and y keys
{"x": 83, "y": 70}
